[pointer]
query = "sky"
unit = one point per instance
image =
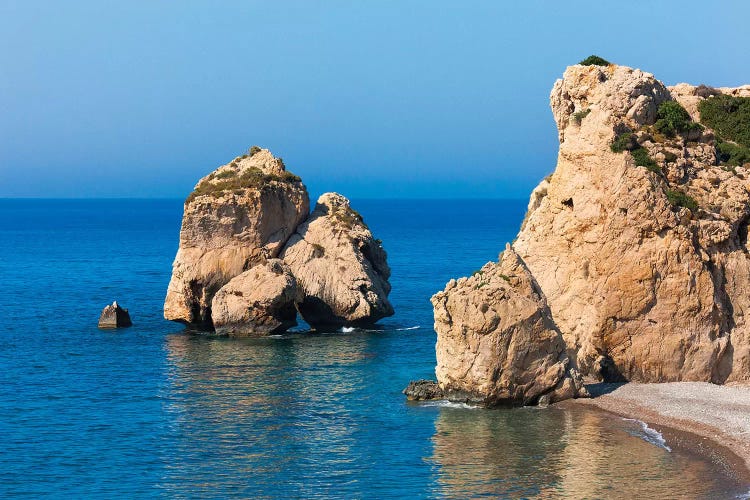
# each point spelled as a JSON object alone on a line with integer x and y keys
{"x": 386, "y": 99}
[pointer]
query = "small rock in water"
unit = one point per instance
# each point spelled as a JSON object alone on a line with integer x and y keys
{"x": 423, "y": 390}
{"x": 114, "y": 316}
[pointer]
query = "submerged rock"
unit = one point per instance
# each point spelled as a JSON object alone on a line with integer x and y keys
{"x": 423, "y": 390}
{"x": 340, "y": 267}
{"x": 114, "y": 316}
{"x": 238, "y": 216}
{"x": 260, "y": 301}
{"x": 632, "y": 259}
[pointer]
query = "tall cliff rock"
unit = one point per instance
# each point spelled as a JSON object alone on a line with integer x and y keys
{"x": 238, "y": 220}
{"x": 637, "y": 242}
{"x": 238, "y": 216}
{"x": 339, "y": 265}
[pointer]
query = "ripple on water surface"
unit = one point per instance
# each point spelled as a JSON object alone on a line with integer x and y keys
{"x": 152, "y": 411}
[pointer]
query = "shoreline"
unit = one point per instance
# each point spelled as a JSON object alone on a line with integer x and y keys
{"x": 706, "y": 419}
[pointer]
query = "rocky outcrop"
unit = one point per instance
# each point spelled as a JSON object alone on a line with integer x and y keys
{"x": 238, "y": 220}
{"x": 114, "y": 316}
{"x": 497, "y": 342}
{"x": 340, "y": 267}
{"x": 260, "y": 301}
{"x": 238, "y": 216}
{"x": 637, "y": 244}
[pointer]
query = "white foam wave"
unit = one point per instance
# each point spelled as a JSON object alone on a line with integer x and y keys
{"x": 347, "y": 329}
{"x": 444, "y": 403}
{"x": 651, "y": 435}
{"x": 417, "y": 327}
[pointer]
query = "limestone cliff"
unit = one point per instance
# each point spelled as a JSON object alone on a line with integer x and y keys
{"x": 637, "y": 242}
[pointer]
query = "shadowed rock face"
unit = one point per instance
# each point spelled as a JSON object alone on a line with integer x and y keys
{"x": 114, "y": 316}
{"x": 238, "y": 216}
{"x": 340, "y": 267}
{"x": 258, "y": 302}
{"x": 638, "y": 287}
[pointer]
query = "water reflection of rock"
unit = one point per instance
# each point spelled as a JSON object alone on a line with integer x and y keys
{"x": 259, "y": 407}
{"x": 572, "y": 453}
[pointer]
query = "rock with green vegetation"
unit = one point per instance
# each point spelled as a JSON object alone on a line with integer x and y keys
{"x": 729, "y": 117}
{"x": 340, "y": 267}
{"x": 646, "y": 276}
{"x": 672, "y": 119}
{"x": 594, "y": 61}
{"x": 236, "y": 217}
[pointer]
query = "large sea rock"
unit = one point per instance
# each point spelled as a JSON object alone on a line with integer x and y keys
{"x": 238, "y": 220}
{"x": 639, "y": 283}
{"x": 238, "y": 216}
{"x": 340, "y": 266}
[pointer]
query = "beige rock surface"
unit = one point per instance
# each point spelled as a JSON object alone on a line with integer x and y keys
{"x": 639, "y": 289}
{"x": 339, "y": 265}
{"x": 260, "y": 301}
{"x": 497, "y": 343}
{"x": 238, "y": 216}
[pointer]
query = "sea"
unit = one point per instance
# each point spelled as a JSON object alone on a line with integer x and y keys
{"x": 155, "y": 411}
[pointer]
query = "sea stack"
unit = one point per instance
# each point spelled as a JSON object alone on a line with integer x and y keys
{"x": 251, "y": 255}
{"x": 114, "y": 316}
{"x": 632, "y": 262}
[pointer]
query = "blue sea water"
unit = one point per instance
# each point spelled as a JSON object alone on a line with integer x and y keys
{"x": 153, "y": 411}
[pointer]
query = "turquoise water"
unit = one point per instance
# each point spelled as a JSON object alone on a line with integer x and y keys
{"x": 153, "y": 411}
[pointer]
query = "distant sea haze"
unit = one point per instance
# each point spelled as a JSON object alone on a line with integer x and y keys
{"x": 154, "y": 411}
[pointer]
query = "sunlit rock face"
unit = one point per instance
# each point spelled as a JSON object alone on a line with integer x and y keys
{"x": 245, "y": 214}
{"x": 238, "y": 216}
{"x": 341, "y": 268}
{"x": 640, "y": 255}
{"x": 260, "y": 301}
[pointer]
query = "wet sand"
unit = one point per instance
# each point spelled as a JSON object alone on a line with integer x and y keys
{"x": 716, "y": 416}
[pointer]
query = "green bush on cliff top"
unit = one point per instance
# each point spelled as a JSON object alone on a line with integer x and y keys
{"x": 594, "y": 61}
{"x": 230, "y": 181}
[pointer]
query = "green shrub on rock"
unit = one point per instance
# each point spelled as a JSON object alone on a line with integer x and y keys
{"x": 672, "y": 119}
{"x": 578, "y": 116}
{"x": 729, "y": 117}
{"x": 594, "y": 61}
{"x": 732, "y": 154}
{"x": 680, "y": 199}
{"x": 642, "y": 159}
{"x": 626, "y": 141}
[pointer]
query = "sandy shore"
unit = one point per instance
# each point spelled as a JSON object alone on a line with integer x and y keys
{"x": 718, "y": 413}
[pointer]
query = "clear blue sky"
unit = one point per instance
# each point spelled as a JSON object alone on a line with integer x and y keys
{"x": 372, "y": 99}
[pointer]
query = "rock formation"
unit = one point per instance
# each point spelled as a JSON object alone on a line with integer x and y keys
{"x": 114, "y": 316}
{"x": 244, "y": 215}
{"x": 497, "y": 342}
{"x": 260, "y": 301}
{"x": 238, "y": 216}
{"x": 340, "y": 267}
{"x": 633, "y": 253}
